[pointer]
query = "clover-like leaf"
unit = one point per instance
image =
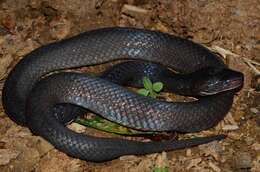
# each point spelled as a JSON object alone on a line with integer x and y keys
{"x": 157, "y": 86}
{"x": 147, "y": 83}
{"x": 143, "y": 92}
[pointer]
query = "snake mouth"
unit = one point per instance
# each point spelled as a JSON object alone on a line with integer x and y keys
{"x": 235, "y": 83}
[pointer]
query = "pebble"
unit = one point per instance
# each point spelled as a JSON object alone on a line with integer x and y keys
{"x": 254, "y": 110}
{"x": 256, "y": 146}
{"x": 188, "y": 152}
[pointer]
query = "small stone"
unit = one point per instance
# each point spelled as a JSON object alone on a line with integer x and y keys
{"x": 256, "y": 146}
{"x": 230, "y": 127}
{"x": 188, "y": 152}
{"x": 254, "y": 110}
{"x": 243, "y": 160}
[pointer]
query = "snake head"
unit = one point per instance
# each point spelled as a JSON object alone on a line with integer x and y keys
{"x": 210, "y": 81}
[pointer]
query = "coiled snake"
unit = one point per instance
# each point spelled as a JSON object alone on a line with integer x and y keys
{"x": 32, "y": 101}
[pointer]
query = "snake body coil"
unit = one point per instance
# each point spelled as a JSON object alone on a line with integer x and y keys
{"x": 29, "y": 100}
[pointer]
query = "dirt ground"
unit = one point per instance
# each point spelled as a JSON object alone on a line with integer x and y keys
{"x": 232, "y": 28}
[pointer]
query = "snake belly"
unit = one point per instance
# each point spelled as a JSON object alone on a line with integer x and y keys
{"x": 29, "y": 100}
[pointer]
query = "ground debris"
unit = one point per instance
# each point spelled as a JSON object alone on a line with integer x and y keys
{"x": 242, "y": 160}
{"x": 213, "y": 149}
{"x": 5, "y": 62}
{"x": 254, "y": 110}
{"x": 162, "y": 160}
{"x": 256, "y": 164}
{"x": 230, "y": 127}
{"x": 6, "y": 155}
{"x": 134, "y": 11}
{"x": 256, "y": 146}
{"x": 194, "y": 163}
{"x": 214, "y": 167}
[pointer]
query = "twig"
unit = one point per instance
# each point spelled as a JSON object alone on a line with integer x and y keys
{"x": 223, "y": 52}
{"x": 249, "y": 63}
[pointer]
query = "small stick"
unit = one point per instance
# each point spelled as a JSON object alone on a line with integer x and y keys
{"x": 249, "y": 63}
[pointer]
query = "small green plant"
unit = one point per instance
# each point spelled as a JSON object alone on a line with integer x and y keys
{"x": 150, "y": 89}
{"x": 102, "y": 124}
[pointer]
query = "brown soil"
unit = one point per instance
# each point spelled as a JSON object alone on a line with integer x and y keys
{"x": 230, "y": 27}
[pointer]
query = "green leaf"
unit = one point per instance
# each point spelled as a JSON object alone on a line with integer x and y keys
{"x": 143, "y": 92}
{"x": 157, "y": 86}
{"x": 108, "y": 126}
{"x": 153, "y": 94}
{"x": 147, "y": 83}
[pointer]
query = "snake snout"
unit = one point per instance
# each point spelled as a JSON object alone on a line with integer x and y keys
{"x": 220, "y": 81}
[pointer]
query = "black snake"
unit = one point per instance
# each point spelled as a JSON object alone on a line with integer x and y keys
{"x": 32, "y": 101}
